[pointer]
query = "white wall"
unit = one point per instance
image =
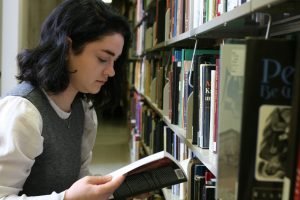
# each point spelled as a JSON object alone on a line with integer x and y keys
{"x": 11, "y": 42}
{"x": 0, "y": 42}
{"x": 21, "y": 23}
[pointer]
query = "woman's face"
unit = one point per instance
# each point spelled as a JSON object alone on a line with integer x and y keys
{"x": 95, "y": 63}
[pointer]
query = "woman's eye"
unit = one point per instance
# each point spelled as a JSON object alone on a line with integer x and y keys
{"x": 102, "y": 60}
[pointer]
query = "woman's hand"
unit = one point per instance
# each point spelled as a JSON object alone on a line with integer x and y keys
{"x": 93, "y": 188}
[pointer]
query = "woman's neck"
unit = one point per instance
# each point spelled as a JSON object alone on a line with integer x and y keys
{"x": 63, "y": 99}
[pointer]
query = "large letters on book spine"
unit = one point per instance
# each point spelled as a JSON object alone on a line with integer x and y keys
{"x": 269, "y": 72}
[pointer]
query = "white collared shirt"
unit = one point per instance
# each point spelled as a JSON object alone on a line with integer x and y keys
{"x": 21, "y": 142}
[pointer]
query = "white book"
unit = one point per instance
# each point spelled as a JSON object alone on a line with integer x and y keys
{"x": 196, "y": 13}
{"x": 212, "y": 143}
{"x": 231, "y": 4}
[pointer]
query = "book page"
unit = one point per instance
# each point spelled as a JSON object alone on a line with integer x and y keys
{"x": 153, "y": 161}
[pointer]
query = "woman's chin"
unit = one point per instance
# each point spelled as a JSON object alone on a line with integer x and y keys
{"x": 94, "y": 90}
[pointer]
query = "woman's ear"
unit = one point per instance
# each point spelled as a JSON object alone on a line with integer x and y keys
{"x": 69, "y": 41}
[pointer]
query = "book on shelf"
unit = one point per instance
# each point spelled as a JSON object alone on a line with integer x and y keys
{"x": 167, "y": 77}
{"x": 180, "y": 87}
{"x": 186, "y": 72}
{"x": 215, "y": 105}
{"x": 266, "y": 115}
{"x": 147, "y": 77}
{"x": 160, "y": 21}
{"x": 150, "y": 173}
{"x": 220, "y": 7}
{"x": 168, "y": 20}
{"x": 171, "y": 89}
{"x": 232, "y": 67}
{"x": 211, "y": 9}
{"x": 134, "y": 145}
{"x": 205, "y": 100}
{"x": 196, "y": 18}
{"x": 193, "y": 161}
{"x": 158, "y": 137}
{"x": 186, "y": 90}
{"x": 291, "y": 184}
{"x": 187, "y": 15}
{"x": 255, "y": 92}
{"x": 231, "y": 4}
{"x": 168, "y": 139}
{"x": 159, "y": 85}
{"x": 201, "y": 56}
{"x": 176, "y": 70}
{"x": 195, "y": 123}
{"x": 146, "y": 119}
{"x": 180, "y": 16}
{"x": 208, "y": 191}
{"x": 174, "y": 19}
{"x": 212, "y": 139}
{"x": 183, "y": 158}
{"x": 199, "y": 180}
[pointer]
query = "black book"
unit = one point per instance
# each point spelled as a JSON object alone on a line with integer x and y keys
{"x": 292, "y": 177}
{"x": 175, "y": 86}
{"x": 199, "y": 181}
{"x": 198, "y": 59}
{"x": 209, "y": 192}
{"x": 191, "y": 177}
{"x": 266, "y": 114}
{"x": 158, "y": 143}
{"x": 169, "y": 140}
{"x": 147, "y": 125}
{"x": 150, "y": 173}
{"x": 195, "y": 100}
{"x": 205, "y": 94}
{"x": 160, "y": 20}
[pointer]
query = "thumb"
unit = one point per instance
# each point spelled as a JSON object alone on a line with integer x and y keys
{"x": 97, "y": 180}
{"x": 114, "y": 184}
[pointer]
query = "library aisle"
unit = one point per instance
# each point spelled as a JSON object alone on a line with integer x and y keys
{"x": 111, "y": 150}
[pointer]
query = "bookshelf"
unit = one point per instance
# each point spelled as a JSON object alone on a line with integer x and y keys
{"x": 249, "y": 19}
{"x": 208, "y": 158}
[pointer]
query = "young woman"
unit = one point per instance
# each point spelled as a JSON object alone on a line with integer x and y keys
{"x": 48, "y": 122}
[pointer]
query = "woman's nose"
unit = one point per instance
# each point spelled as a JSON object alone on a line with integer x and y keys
{"x": 110, "y": 71}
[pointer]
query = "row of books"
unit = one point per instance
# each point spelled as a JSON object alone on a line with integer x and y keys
{"x": 252, "y": 111}
{"x": 154, "y": 136}
{"x": 165, "y": 19}
{"x": 182, "y": 16}
{"x": 202, "y": 184}
{"x": 168, "y": 84}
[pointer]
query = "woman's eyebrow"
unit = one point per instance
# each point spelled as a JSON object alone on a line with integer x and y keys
{"x": 108, "y": 52}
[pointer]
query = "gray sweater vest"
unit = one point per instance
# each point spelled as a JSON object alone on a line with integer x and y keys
{"x": 58, "y": 166}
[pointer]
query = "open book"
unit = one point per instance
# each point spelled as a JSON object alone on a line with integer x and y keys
{"x": 153, "y": 172}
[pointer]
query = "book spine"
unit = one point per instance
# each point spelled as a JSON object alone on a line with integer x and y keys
{"x": 291, "y": 188}
{"x": 266, "y": 104}
{"x": 212, "y": 112}
{"x": 216, "y": 106}
{"x": 205, "y": 108}
{"x": 199, "y": 180}
{"x": 186, "y": 66}
{"x": 232, "y": 57}
{"x": 195, "y": 126}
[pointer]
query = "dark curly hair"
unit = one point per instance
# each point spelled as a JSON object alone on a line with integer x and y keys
{"x": 83, "y": 21}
